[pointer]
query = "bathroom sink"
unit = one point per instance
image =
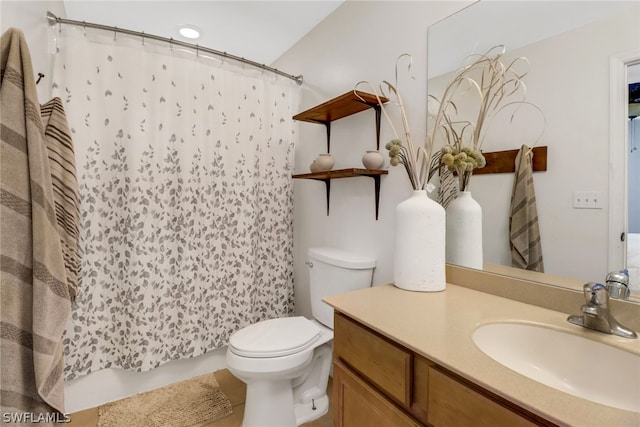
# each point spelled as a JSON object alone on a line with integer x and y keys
{"x": 575, "y": 365}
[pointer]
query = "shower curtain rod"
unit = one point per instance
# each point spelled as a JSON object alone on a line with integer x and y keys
{"x": 53, "y": 19}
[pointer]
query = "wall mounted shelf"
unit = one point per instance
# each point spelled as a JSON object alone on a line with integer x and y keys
{"x": 337, "y": 108}
{"x": 327, "y": 176}
{"x": 342, "y": 106}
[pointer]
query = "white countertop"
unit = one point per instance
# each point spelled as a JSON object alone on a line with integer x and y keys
{"x": 439, "y": 326}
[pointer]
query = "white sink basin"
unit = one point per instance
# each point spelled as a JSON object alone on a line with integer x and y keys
{"x": 569, "y": 363}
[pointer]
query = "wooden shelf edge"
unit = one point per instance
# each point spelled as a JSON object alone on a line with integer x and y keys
{"x": 341, "y": 173}
{"x": 339, "y": 107}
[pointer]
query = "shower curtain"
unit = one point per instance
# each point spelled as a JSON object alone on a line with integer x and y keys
{"x": 184, "y": 169}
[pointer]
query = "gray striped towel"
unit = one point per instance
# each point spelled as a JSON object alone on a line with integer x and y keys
{"x": 62, "y": 165}
{"x": 524, "y": 233}
{"x": 448, "y": 187}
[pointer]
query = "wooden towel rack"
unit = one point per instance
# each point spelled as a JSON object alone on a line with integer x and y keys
{"x": 504, "y": 161}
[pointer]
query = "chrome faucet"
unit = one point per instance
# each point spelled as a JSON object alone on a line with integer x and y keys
{"x": 618, "y": 284}
{"x": 596, "y": 315}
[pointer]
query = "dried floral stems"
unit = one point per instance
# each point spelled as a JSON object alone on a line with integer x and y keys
{"x": 490, "y": 81}
{"x": 416, "y": 159}
{"x": 493, "y": 83}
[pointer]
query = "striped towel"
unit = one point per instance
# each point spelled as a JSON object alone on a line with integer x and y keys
{"x": 524, "y": 234}
{"x": 62, "y": 165}
{"x": 35, "y": 304}
{"x": 448, "y": 187}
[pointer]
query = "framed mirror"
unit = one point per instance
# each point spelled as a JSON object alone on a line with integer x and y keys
{"x": 570, "y": 46}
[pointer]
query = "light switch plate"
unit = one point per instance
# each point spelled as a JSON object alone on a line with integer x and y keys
{"x": 587, "y": 200}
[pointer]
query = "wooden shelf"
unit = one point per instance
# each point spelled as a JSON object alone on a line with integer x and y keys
{"x": 339, "y": 107}
{"x": 343, "y": 106}
{"x": 327, "y": 176}
{"x": 341, "y": 173}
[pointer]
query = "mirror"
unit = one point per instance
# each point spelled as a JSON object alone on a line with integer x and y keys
{"x": 569, "y": 45}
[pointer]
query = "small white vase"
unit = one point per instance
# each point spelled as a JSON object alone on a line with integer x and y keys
{"x": 313, "y": 167}
{"x": 464, "y": 231}
{"x": 372, "y": 159}
{"x": 419, "y": 260}
{"x": 324, "y": 162}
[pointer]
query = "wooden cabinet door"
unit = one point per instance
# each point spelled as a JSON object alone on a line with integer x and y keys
{"x": 357, "y": 404}
{"x": 380, "y": 361}
{"x": 452, "y": 404}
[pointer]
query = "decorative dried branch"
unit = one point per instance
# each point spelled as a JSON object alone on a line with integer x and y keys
{"x": 494, "y": 85}
{"x": 416, "y": 159}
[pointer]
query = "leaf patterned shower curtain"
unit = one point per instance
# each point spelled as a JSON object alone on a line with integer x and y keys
{"x": 184, "y": 167}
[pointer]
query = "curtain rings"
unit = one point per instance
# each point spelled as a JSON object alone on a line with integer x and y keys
{"x": 171, "y": 44}
{"x": 115, "y": 31}
{"x": 143, "y": 38}
{"x": 197, "y": 51}
{"x": 84, "y": 28}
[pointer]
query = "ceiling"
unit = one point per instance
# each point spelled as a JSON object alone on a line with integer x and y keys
{"x": 257, "y": 30}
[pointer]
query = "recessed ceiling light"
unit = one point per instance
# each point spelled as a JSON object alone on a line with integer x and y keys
{"x": 189, "y": 31}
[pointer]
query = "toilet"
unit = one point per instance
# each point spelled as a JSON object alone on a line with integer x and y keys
{"x": 286, "y": 362}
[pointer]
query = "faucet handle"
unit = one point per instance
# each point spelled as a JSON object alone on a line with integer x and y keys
{"x": 596, "y": 293}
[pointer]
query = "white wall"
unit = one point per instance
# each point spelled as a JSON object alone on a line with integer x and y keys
{"x": 359, "y": 41}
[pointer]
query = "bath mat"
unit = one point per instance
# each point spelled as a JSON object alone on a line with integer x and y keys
{"x": 194, "y": 402}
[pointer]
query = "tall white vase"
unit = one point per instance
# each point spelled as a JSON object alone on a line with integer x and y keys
{"x": 419, "y": 261}
{"x": 464, "y": 231}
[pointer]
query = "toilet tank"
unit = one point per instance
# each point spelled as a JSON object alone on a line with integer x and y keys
{"x": 334, "y": 271}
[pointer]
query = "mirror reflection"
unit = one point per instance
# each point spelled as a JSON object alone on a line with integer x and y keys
{"x": 569, "y": 46}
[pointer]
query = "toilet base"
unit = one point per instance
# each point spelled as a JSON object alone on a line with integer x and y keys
{"x": 306, "y": 412}
{"x": 274, "y": 411}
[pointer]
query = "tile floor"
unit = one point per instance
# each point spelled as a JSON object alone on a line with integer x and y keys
{"x": 231, "y": 386}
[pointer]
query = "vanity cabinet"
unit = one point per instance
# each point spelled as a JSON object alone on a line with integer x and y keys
{"x": 377, "y": 381}
{"x": 342, "y": 106}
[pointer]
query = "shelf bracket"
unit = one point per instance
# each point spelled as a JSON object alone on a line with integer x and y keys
{"x": 328, "y": 126}
{"x": 327, "y": 184}
{"x": 378, "y": 110}
{"x": 376, "y": 181}
{"x": 376, "y": 184}
{"x": 327, "y": 176}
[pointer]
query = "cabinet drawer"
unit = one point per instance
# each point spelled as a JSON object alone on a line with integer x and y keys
{"x": 452, "y": 403}
{"x": 384, "y": 364}
{"x": 356, "y": 404}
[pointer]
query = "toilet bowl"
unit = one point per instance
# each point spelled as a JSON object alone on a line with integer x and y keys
{"x": 282, "y": 387}
{"x": 286, "y": 362}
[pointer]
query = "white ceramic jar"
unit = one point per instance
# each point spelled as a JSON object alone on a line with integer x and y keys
{"x": 419, "y": 258}
{"x": 372, "y": 159}
{"x": 324, "y": 162}
{"x": 464, "y": 231}
{"x": 313, "y": 167}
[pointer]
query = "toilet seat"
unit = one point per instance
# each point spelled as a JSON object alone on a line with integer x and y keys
{"x": 275, "y": 337}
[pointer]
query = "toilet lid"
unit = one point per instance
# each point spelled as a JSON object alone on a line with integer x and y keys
{"x": 275, "y": 337}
